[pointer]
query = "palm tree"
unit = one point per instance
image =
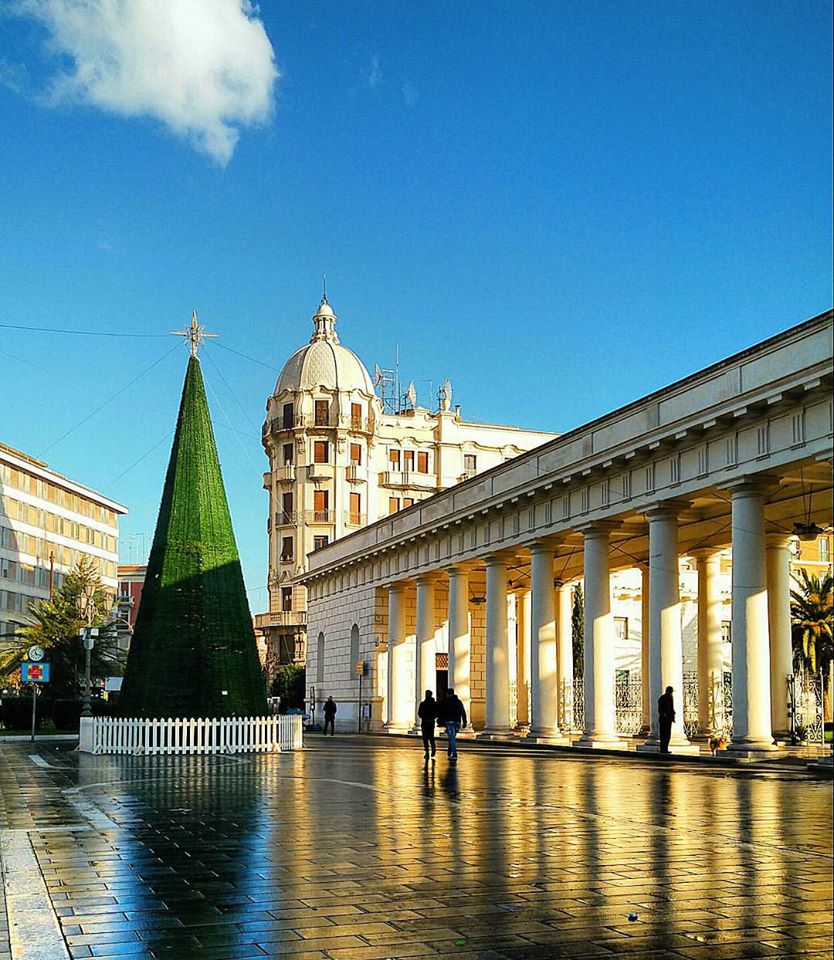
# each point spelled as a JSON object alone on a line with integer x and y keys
{"x": 56, "y": 624}
{"x": 812, "y": 615}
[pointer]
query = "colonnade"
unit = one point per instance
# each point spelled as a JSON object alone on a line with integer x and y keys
{"x": 761, "y": 637}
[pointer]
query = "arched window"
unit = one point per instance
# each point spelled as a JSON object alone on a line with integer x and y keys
{"x": 320, "y": 660}
{"x": 354, "y": 647}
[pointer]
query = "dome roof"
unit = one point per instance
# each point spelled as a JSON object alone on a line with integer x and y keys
{"x": 324, "y": 361}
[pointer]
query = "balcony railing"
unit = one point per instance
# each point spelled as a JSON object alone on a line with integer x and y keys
{"x": 284, "y": 473}
{"x": 320, "y": 516}
{"x": 360, "y": 424}
{"x": 354, "y": 473}
{"x": 281, "y": 618}
{"x": 356, "y": 519}
{"x": 408, "y": 478}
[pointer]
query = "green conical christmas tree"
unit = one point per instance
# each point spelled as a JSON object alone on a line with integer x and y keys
{"x": 193, "y": 652}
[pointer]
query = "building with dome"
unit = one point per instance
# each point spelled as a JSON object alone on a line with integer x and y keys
{"x": 341, "y": 456}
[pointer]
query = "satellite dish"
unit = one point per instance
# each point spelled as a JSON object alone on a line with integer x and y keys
{"x": 377, "y": 375}
{"x": 411, "y": 393}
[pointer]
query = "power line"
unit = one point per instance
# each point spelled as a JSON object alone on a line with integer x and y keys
{"x": 80, "y": 333}
{"x": 118, "y": 393}
{"x": 268, "y": 366}
{"x": 147, "y": 453}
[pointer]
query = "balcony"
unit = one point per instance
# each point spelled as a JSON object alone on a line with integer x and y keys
{"x": 360, "y": 425}
{"x": 281, "y": 618}
{"x": 354, "y": 473}
{"x": 355, "y": 519}
{"x": 320, "y": 516}
{"x": 320, "y": 471}
{"x": 284, "y": 473}
{"x": 267, "y": 481}
{"x": 467, "y": 475}
{"x": 408, "y": 479}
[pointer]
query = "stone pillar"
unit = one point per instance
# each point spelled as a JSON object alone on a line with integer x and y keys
{"x": 564, "y": 649}
{"x": 459, "y": 639}
{"x": 710, "y": 644}
{"x": 399, "y": 698}
{"x": 426, "y": 672}
{"x": 600, "y": 720}
{"x": 645, "y": 670}
{"x": 523, "y": 609}
{"x": 752, "y": 730}
{"x": 665, "y": 636}
{"x": 544, "y": 722}
{"x": 778, "y": 561}
{"x": 497, "y": 650}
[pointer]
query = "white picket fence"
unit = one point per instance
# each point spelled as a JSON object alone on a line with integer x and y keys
{"x": 190, "y": 736}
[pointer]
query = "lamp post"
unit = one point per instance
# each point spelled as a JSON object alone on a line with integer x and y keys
{"x": 87, "y": 610}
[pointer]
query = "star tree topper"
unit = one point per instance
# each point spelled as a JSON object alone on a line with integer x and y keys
{"x": 194, "y": 335}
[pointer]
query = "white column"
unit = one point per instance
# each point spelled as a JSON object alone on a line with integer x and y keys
{"x": 497, "y": 722}
{"x": 600, "y": 721}
{"x": 665, "y": 637}
{"x": 459, "y": 639}
{"x": 544, "y": 722}
{"x": 426, "y": 671}
{"x": 523, "y": 610}
{"x": 779, "y": 623}
{"x": 752, "y": 729}
{"x": 710, "y": 644}
{"x": 399, "y": 698}
{"x": 564, "y": 646}
{"x": 645, "y": 668}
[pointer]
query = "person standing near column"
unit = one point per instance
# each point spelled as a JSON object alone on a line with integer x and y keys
{"x": 665, "y": 717}
{"x": 427, "y": 712}
{"x": 330, "y": 716}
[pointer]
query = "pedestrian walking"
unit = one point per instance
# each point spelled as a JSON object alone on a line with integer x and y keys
{"x": 451, "y": 715}
{"x": 665, "y": 718}
{"x": 427, "y": 712}
{"x": 330, "y": 716}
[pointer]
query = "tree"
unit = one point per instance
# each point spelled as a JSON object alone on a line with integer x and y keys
{"x": 55, "y": 626}
{"x": 290, "y": 685}
{"x": 577, "y": 623}
{"x": 812, "y": 615}
{"x": 193, "y": 652}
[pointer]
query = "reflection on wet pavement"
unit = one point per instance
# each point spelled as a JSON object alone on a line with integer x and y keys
{"x": 356, "y": 849}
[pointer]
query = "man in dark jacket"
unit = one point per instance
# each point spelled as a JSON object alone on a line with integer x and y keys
{"x": 452, "y": 716}
{"x": 330, "y": 716}
{"x": 427, "y": 712}
{"x": 665, "y": 718}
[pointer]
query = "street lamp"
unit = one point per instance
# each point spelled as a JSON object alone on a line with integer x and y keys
{"x": 87, "y": 611}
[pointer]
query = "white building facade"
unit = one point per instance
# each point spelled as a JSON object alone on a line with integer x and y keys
{"x": 339, "y": 461}
{"x": 47, "y": 524}
{"x": 680, "y": 515}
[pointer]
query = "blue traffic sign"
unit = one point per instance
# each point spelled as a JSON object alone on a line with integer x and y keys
{"x": 34, "y": 672}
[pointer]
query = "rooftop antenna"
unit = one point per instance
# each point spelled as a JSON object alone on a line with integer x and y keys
{"x": 194, "y": 334}
{"x": 324, "y": 288}
{"x": 386, "y": 380}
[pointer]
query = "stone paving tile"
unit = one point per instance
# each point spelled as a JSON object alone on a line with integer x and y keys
{"x": 501, "y": 857}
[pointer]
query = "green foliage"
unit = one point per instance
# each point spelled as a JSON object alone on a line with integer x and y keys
{"x": 55, "y": 625}
{"x": 577, "y": 623}
{"x": 290, "y": 684}
{"x": 16, "y": 713}
{"x": 193, "y": 652}
{"x": 812, "y": 616}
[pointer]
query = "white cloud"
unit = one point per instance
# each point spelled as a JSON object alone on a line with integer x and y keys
{"x": 205, "y": 68}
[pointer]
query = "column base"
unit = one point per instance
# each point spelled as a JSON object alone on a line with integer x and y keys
{"x": 497, "y": 733}
{"x": 748, "y": 749}
{"x": 398, "y": 728}
{"x": 544, "y": 735}
{"x": 601, "y": 742}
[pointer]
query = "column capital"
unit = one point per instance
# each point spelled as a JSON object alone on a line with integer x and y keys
{"x": 499, "y": 558}
{"x": 752, "y": 485}
{"x": 704, "y": 553}
{"x": 398, "y": 586}
{"x": 666, "y": 508}
{"x": 424, "y": 579}
{"x": 459, "y": 569}
{"x": 598, "y": 528}
{"x": 542, "y": 546}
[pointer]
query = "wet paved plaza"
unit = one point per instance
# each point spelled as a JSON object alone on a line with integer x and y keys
{"x": 356, "y": 850}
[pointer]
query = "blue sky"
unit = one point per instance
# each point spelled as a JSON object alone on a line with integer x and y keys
{"x": 559, "y": 205}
